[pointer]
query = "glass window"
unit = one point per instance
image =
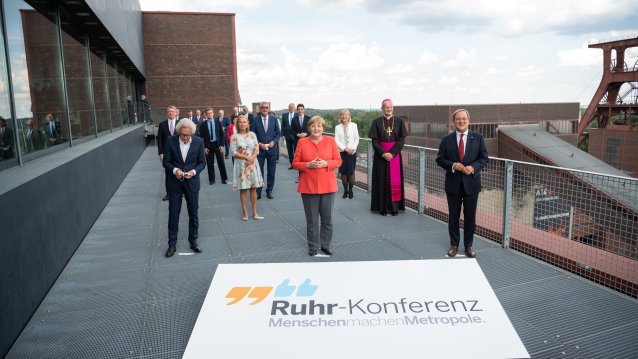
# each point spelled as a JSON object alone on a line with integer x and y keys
{"x": 114, "y": 99}
{"x": 100, "y": 91}
{"x": 78, "y": 88}
{"x": 8, "y": 135}
{"x": 612, "y": 152}
{"x": 36, "y": 74}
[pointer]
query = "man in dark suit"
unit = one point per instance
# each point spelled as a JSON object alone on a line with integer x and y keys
{"x": 166, "y": 129}
{"x": 225, "y": 123}
{"x": 286, "y": 131}
{"x": 183, "y": 161}
{"x": 463, "y": 155}
{"x": 299, "y": 126}
{"x": 197, "y": 120}
{"x": 248, "y": 115}
{"x": 34, "y": 138}
{"x": 266, "y": 128}
{"x": 213, "y": 135}
{"x": 6, "y": 140}
{"x": 51, "y": 129}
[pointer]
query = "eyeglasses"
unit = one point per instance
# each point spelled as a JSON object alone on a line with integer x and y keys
{"x": 185, "y": 136}
{"x": 264, "y": 107}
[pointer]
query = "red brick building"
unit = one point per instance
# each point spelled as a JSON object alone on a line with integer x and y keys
{"x": 190, "y": 60}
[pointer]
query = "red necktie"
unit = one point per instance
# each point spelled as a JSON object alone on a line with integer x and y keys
{"x": 461, "y": 148}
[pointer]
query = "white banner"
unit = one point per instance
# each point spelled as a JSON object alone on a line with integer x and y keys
{"x": 391, "y": 309}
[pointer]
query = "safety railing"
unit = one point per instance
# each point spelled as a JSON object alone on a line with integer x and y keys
{"x": 583, "y": 222}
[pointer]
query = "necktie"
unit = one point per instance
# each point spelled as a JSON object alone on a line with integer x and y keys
{"x": 301, "y": 121}
{"x": 211, "y": 128}
{"x": 461, "y": 148}
{"x": 290, "y": 117}
{"x": 265, "y": 119}
{"x": 171, "y": 127}
{"x": 52, "y": 129}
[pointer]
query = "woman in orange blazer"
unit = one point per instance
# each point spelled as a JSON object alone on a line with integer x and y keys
{"x": 316, "y": 158}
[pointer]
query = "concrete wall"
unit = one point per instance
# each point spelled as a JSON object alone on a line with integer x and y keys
{"x": 123, "y": 20}
{"x": 48, "y": 206}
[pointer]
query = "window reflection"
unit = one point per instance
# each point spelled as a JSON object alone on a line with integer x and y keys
{"x": 76, "y": 68}
{"x": 37, "y": 80}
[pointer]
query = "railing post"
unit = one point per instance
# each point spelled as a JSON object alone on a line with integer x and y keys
{"x": 370, "y": 159}
{"x": 507, "y": 202}
{"x": 421, "y": 192}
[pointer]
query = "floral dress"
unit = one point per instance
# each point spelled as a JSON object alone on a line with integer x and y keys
{"x": 245, "y": 176}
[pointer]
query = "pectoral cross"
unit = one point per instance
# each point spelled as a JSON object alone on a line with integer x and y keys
{"x": 389, "y": 131}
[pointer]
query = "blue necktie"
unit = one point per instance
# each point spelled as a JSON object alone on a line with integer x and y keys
{"x": 211, "y": 128}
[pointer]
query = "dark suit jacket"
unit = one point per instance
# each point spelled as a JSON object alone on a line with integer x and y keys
{"x": 163, "y": 134}
{"x": 475, "y": 155}
{"x": 205, "y": 135}
{"x": 34, "y": 142}
{"x": 272, "y": 133}
{"x": 286, "y": 127}
{"x": 297, "y": 129}
{"x": 224, "y": 121}
{"x": 6, "y": 140}
{"x": 57, "y": 133}
{"x": 195, "y": 160}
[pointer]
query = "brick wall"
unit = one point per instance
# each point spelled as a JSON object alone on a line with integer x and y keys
{"x": 190, "y": 60}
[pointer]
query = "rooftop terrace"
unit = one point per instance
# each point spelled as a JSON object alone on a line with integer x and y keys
{"x": 119, "y": 297}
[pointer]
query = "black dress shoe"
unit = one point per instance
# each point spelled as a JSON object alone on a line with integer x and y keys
{"x": 196, "y": 248}
{"x": 269, "y": 196}
{"x": 170, "y": 252}
{"x": 211, "y": 182}
{"x": 383, "y": 213}
{"x": 290, "y": 167}
{"x": 345, "y": 194}
{"x": 350, "y": 194}
{"x": 165, "y": 198}
{"x": 258, "y": 196}
{"x": 394, "y": 214}
{"x": 312, "y": 252}
{"x": 326, "y": 251}
{"x": 224, "y": 182}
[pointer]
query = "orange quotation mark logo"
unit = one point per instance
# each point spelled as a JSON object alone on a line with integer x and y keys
{"x": 306, "y": 289}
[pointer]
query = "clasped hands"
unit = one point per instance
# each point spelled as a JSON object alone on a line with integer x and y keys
{"x": 387, "y": 156}
{"x": 266, "y": 146}
{"x": 317, "y": 163}
{"x": 458, "y": 166}
{"x": 179, "y": 174}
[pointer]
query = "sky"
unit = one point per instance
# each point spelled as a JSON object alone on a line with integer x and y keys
{"x": 355, "y": 53}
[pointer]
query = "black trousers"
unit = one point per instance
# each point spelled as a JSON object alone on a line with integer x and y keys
{"x": 454, "y": 203}
{"x": 210, "y": 164}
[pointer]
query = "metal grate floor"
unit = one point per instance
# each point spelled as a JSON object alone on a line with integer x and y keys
{"x": 119, "y": 297}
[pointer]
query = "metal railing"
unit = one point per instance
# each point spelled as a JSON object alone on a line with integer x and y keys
{"x": 584, "y": 222}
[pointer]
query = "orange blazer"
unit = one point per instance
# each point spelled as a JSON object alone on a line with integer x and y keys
{"x": 317, "y": 180}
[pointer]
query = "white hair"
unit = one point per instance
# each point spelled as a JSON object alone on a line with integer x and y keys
{"x": 185, "y": 122}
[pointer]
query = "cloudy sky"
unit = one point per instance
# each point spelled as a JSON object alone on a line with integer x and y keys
{"x": 354, "y": 53}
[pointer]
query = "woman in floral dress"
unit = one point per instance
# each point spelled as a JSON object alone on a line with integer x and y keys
{"x": 246, "y": 174}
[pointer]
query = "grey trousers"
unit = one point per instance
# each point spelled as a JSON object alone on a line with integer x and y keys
{"x": 315, "y": 206}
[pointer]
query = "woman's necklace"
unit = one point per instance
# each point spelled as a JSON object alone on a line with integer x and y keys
{"x": 388, "y": 130}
